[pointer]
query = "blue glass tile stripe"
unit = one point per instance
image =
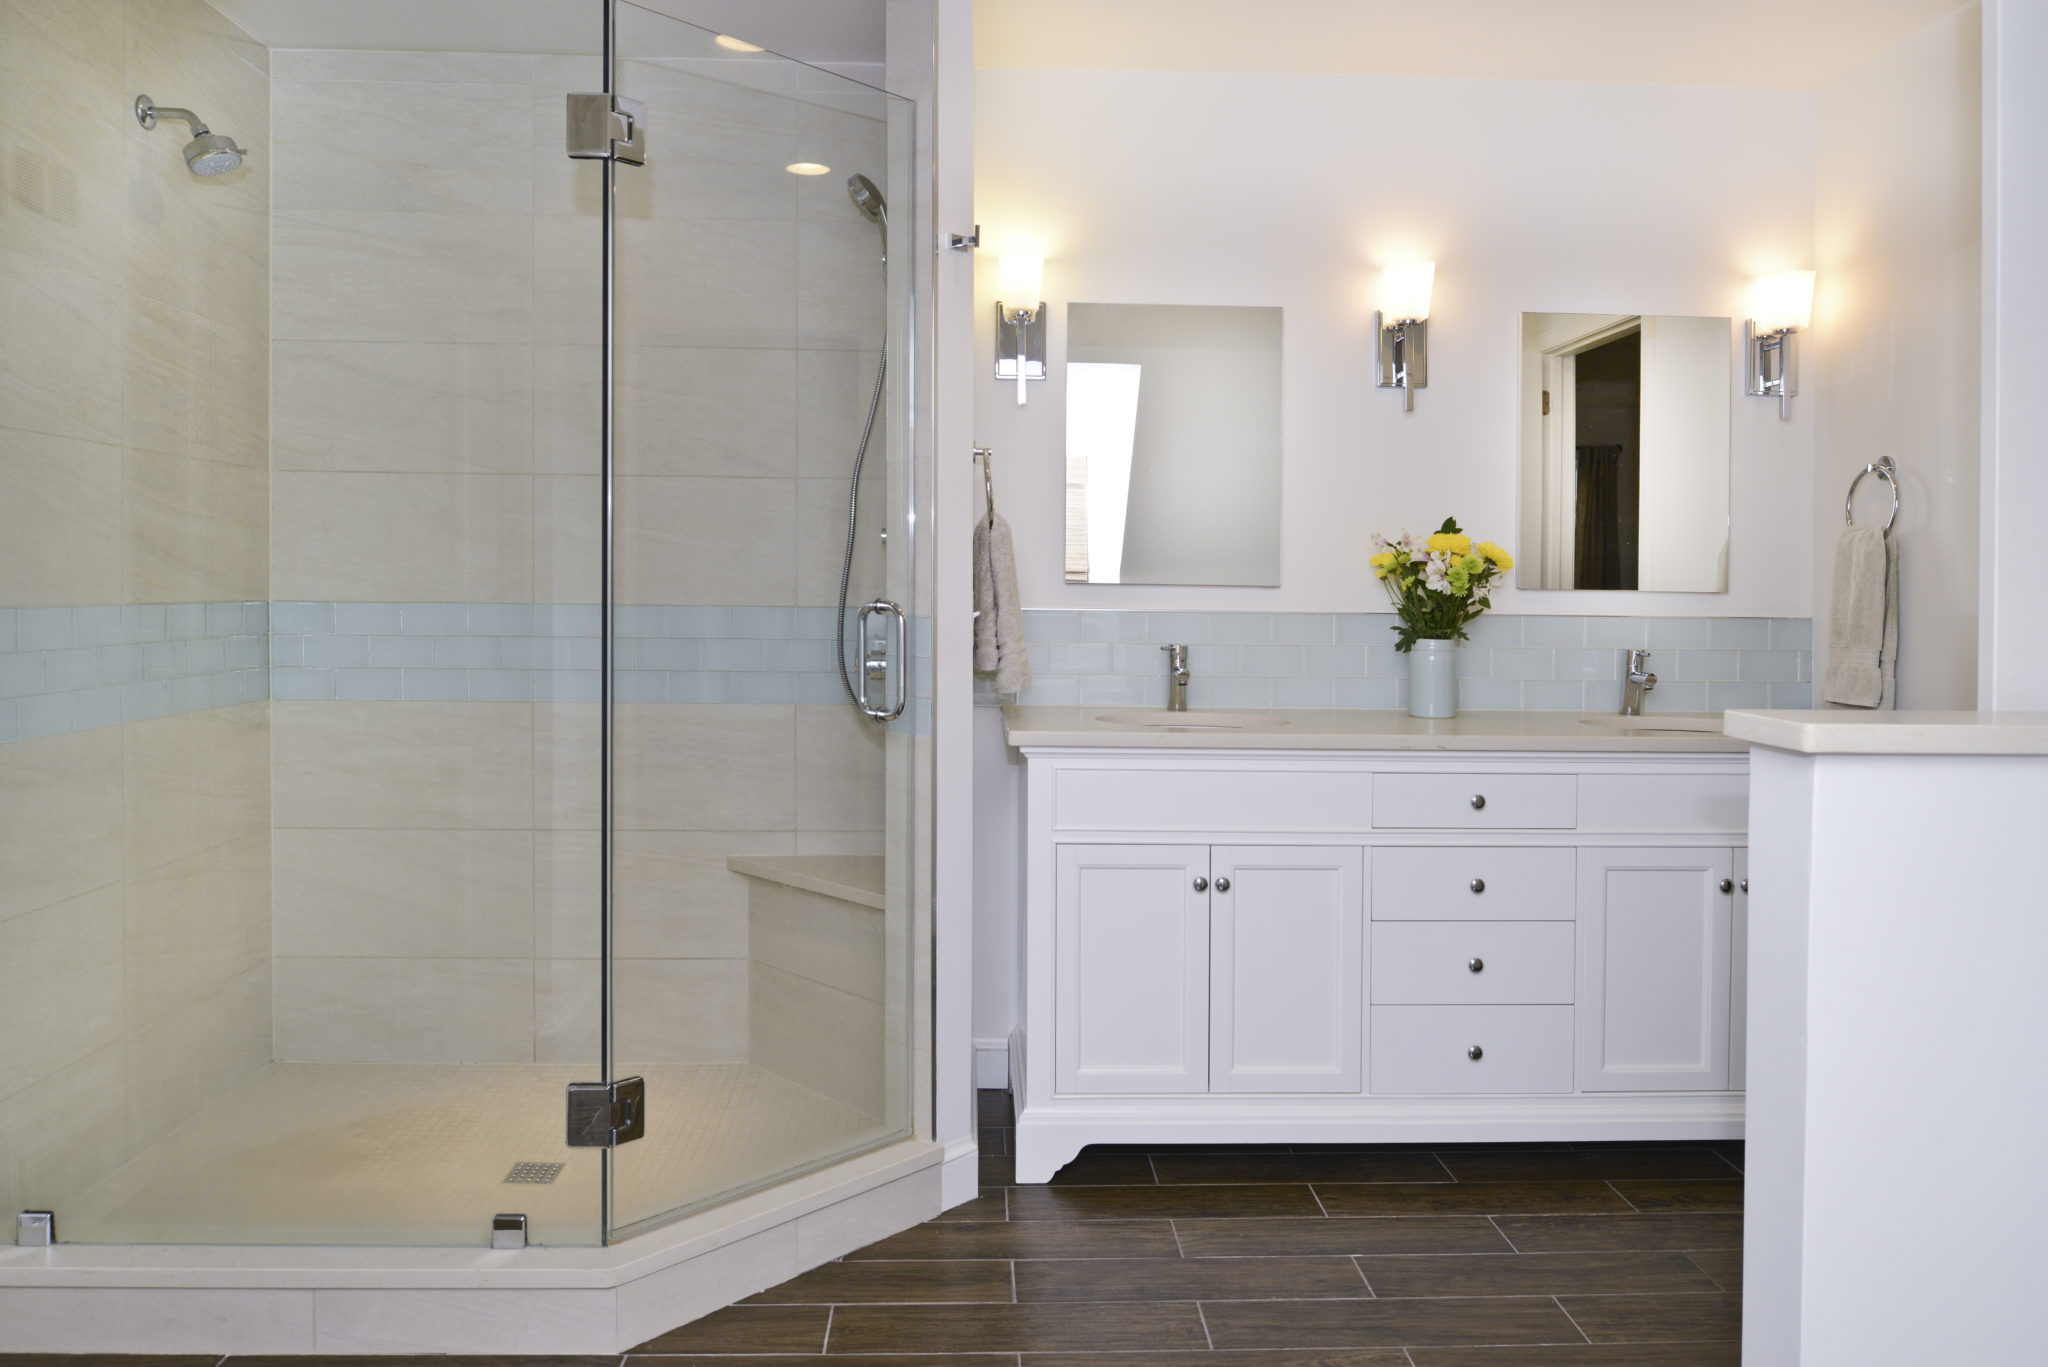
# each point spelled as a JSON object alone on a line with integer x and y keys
{"x": 65, "y": 669}
{"x": 1317, "y": 659}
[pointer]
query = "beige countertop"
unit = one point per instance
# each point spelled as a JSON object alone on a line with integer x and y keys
{"x": 1845, "y": 731}
{"x": 1363, "y": 729}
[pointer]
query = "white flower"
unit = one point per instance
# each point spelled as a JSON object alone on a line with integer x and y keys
{"x": 1435, "y": 578}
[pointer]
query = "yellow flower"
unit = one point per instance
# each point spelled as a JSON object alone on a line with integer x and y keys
{"x": 1497, "y": 555}
{"x": 1382, "y": 564}
{"x": 1456, "y": 542}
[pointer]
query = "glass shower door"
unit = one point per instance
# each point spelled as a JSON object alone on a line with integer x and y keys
{"x": 757, "y": 921}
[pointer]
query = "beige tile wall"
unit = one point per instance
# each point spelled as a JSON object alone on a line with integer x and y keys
{"x": 134, "y": 860}
{"x": 436, "y": 380}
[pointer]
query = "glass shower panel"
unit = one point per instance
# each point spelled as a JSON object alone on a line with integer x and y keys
{"x": 299, "y": 936}
{"x": 760, "y": 931}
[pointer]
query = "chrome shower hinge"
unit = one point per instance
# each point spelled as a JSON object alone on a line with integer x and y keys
{"x": 508, "y": 1231}
{"x": 35, "y": 1229}
{"x": 605, "y": 1114}
{"x": 607, "y": 127}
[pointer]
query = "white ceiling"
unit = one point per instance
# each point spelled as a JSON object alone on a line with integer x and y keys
{"x": 1771, "y": 44}
{"x": 822, "y": 32}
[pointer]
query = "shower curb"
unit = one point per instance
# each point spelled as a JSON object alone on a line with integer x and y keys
{"x": 221, "y": 1299}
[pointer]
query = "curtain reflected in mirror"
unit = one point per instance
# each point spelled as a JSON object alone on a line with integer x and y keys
{"x": 1625, "y": 452}
{"x": 1173, "y": 444}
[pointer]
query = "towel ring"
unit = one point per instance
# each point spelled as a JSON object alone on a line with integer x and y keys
{"x": 1885, "y": 471}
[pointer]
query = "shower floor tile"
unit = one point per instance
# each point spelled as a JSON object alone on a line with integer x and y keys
{"x": 331, "y": 1153}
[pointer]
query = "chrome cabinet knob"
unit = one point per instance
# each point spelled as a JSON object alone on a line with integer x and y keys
{"x": 1478, "y": 885}
{"x": 1201, "y": 885}
{"x": 1223, "y": 885}
{"x": 1479, "y": 802}
{"x": 1745, "y": 885}
{"x": 1727, "y": 885}
{"x": 1475, "y": 965}
{"x": 1475, "y": 1053}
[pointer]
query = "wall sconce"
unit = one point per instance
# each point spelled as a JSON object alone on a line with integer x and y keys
{"x": 1784, "y": 307}
{"x": 1020, "y": 327}
{"x": 1403, "y": 327}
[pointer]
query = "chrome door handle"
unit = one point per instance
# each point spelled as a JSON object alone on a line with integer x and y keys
{"x": 1727, "y": 885}
{"x": 877, "y": 663}
{"x": 1201, "y": 885}
{"x": 1223, "y": 885}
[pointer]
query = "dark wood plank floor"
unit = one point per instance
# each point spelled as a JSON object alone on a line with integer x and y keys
{"x": 1624, "y": 1255}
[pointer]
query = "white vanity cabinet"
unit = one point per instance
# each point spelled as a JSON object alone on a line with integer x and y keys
{"x": 1183, "y": 968}
{"x": 1655, "y": 935}
{"x": 1421, "y": 942}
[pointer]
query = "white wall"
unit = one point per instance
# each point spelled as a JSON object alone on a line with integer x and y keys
{"x": 2014, "y": 649}
{"x": 950, "y": 106}
{"x": 1895, "y": 341}
{"x": 998, "y": 892}
{"x": 1219, "y": 188}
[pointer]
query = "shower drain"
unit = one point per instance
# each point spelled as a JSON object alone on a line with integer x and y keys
{"x": 536, "y": 1174}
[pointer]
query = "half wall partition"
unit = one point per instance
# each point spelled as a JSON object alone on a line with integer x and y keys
{"x": 425, "y": 580}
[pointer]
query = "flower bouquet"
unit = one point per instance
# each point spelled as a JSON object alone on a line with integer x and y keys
{"x": 1438, "y": 584}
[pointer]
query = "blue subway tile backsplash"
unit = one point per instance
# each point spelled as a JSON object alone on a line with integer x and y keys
{"x": 1316, "y": 659}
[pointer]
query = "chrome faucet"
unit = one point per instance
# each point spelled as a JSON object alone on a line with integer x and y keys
{"x": 1640, "y": 681}
{"x": 1177, "y": 677}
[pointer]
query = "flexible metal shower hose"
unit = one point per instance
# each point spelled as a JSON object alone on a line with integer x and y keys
{"x": 852, "y": 522}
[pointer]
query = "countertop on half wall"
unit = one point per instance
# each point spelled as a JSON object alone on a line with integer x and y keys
{"x": 1112, "y": 727}
{"x": 1858, "y": 732}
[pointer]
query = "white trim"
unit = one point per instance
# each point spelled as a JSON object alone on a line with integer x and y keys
{"x": 992, "y": 1064}
{"x": 79, "y": 1298}
{"x": 1048, "y": 1137}
{"x": 960, "y": 1174}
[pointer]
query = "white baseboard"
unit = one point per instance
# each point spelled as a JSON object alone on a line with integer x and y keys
{"x": 992, "y": 1063}
{"x": 960, "y": 1173}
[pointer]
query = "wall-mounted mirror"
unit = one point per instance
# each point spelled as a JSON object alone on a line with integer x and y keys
{"x": 1173, "y": 444}
{"x": 1624, "y": 452}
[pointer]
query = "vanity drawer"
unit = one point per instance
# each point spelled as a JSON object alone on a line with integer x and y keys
{"x": 1426, "y": 1050}
{"x": 1475, "y": 802}
{"x": 1437, "y": 883}
{"x": 1430, "y": 963}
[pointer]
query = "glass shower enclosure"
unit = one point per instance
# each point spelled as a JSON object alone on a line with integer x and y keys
{"x": 457, "y": 717}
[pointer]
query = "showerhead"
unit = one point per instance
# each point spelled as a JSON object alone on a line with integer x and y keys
{"x": 867, "y": 199}
{"x": 208, "y": 154}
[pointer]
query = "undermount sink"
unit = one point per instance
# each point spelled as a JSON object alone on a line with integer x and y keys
{"x": 1190, "y": 721}
{"x": 1703, "y": 726}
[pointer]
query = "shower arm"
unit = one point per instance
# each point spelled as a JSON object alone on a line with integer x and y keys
{"x": 147, "y": 115}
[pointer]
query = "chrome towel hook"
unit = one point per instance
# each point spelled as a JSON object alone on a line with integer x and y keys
{"x": 986, "y": 456}
{"x": 1884, "y": 470}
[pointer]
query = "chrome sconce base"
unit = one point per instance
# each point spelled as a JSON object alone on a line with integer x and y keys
{"x": 1772, "y": 365}
{"x": 1020, "y": 345}
{"x": 1403, "y": 356}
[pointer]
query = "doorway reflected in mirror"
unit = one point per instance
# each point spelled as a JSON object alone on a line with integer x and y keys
{"x": 1625, "y": 452}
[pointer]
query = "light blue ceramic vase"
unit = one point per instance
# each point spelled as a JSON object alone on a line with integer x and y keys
{"x": 1433, "y": 679}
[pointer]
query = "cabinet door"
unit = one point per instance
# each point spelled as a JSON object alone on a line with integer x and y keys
{"x": 1654, "y": 930}
{"x": 1131, "y": 968}
{"x": 1738, "y": 980}
{"x": 1287, "y": 969}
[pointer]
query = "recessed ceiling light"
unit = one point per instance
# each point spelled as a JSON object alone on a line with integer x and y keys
{"x": 732, "y": 44}
{"x": 808, "y": 168}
